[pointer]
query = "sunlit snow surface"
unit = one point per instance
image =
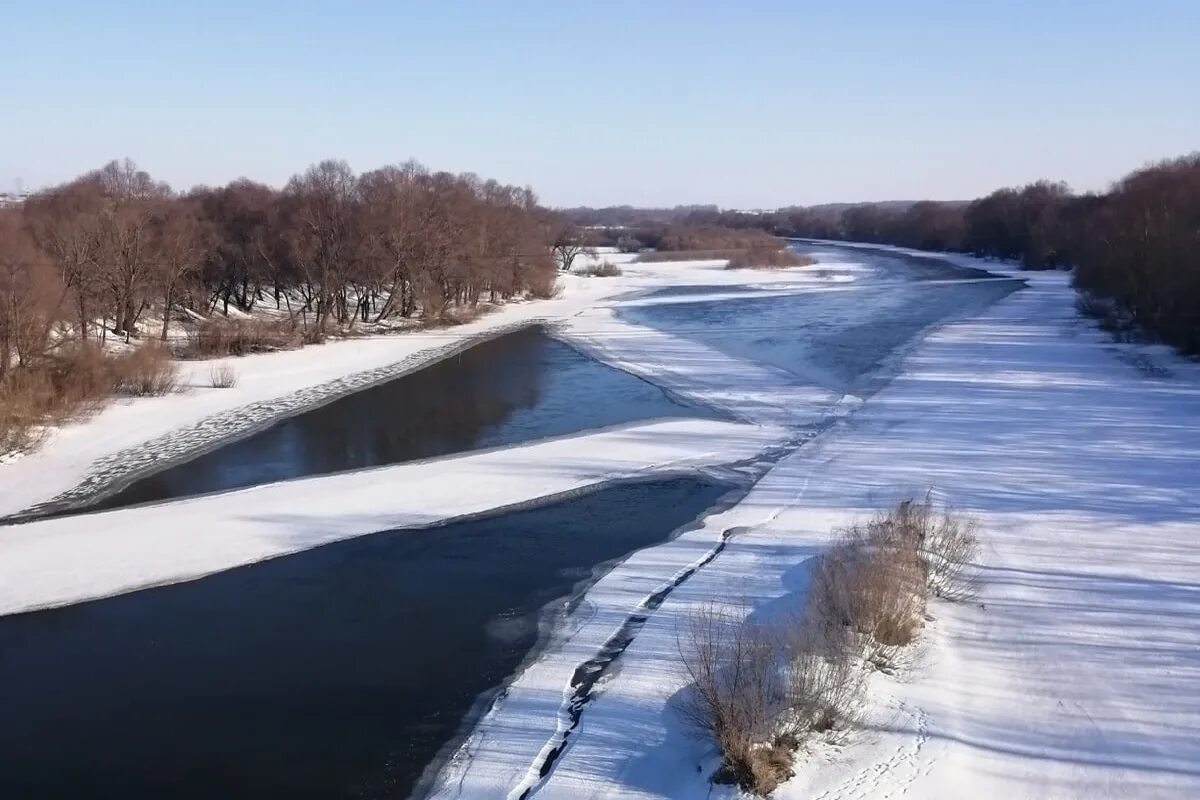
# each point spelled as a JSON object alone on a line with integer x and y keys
{"x": 1076, "y": 675}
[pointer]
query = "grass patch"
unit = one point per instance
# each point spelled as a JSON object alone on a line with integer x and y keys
{"x": 216, "y": 337}
{"x": 656, "y": 256}
{"x": 223, "y": 376}
{"x": 147, "y": 371}
{"x": 769, "y": 258}
{"x": 764, "y": 257}
{"x": 605, "y": 269}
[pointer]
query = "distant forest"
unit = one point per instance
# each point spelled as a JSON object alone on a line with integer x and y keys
{"x": 1135, "y": 249}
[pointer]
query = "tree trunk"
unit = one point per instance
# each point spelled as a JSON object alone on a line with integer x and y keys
{"x": 83, "y": 318}
{"x": 167, "y": 298}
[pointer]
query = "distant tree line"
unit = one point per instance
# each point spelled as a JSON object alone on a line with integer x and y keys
{"x": 1135, "y": 249}
{"x": 631, "y": 216}
{"x": 1016, "y": 224}
{"x": 334, "y": 247}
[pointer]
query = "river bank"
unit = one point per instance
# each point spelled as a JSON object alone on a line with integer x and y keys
{"x": 131, "y": 437}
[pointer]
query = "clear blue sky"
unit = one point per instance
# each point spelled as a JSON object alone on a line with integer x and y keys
{"x": 745, "y": 104}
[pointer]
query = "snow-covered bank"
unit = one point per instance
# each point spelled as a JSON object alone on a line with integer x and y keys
{"x": 1077, "y": 675}
{"x": 66, "y": 560}
{"x": 133, "y": 435}
{"x": 70, "y": 559}
{"x": 136, "y": 435}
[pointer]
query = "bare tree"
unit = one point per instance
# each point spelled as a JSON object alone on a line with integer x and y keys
{"x": 569, "y": 243}
{"x": 183, "y": 243}
{"x": 247, "y": 244}
{"x": 31, "y": 297}
{"x": 394, "y": 216}
{"x": 127, "y": 253}
{"x": 65, "y": 222}
{"x": 320, "y": 230}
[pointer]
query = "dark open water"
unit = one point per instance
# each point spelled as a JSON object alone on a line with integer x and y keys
{"x": 512, "y": 389}
{"x": 338, "y": 672}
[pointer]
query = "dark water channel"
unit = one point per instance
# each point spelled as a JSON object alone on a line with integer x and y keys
{"x": 515, "y": 388}
{"x": 334, "y": 673}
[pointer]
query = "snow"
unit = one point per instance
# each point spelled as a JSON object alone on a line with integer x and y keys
{"x": 1076, "y": 674}
{"x": 70, "y": 559}
{"x": 748, "y": 391}
{"x": 134, "y": 435}
{"x": 66, "y": 560}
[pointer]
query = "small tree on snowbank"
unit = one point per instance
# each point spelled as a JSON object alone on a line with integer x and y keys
{"x": 569, "y": 244}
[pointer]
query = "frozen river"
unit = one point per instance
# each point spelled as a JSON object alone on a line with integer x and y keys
{"x": 343, "y": 671}
{"x": 843, "y": 338}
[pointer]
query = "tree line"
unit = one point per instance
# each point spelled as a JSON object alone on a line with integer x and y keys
{"x": 118, "y": 254}
{"x": 1134, "y": 249}
{"x": 96, "y": 254}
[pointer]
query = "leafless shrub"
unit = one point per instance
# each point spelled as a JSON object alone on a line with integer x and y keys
{"x": 1092, "y": 305}
{"x": 770, "y": 254}
{"x": 947, "y": 543}
{"x": 454, "y": 316}
{"x": 73, "y": 381}
{"x": 767, "y": 256}
{"x": 313, "y": 334}
{"x": 605, "y": 269}
{"x": 873, "y": 584}
{"x": 1107, "y": 313}
{"x": 759, "y": 691}
{"x": 144, "y": 372}
{"x": 825, "y": 687}
{"x": 80, "y": 377}
{"x": 736, "y": 692}
{"x": 658, "y": 256}
{"x": 18, "y": 431}
{"x": 767, "y": 766}
{"x": 57, "y": 388}
{"x": 628, "y": 244}
{"x": 223, "y": 376}
{"x": 219, "y": 337}
{"x": 25, "y": 398}
{"x": 682, "y": 236}
{"x": 543, "y": 285}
